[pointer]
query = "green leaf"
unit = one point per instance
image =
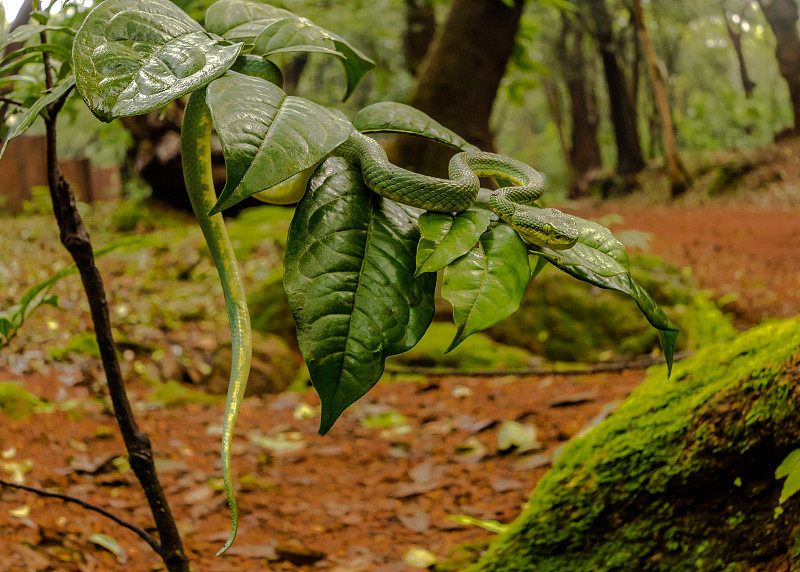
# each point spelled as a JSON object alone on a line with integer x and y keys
{"x": 55, "y": 50}
{"x": 266, "y": 135}
{"x": 108, "y": 542}
{"x": 257, "y": 66}
{"x": 349, "y": 277}
{"x": 273, "y": 30}
{"x": 490, "y": 525}
{"x": 600, "y": 259}
{"x": 791, "y": 461}
{"x": 791, "y": 485}
{"x": 134, "y": 57}
{"x": 27, "y": 118}
{"x": 394, "y": 117}
{"x": 486, "y": 285}
{"x": 37, "y": 295}
{"x": 444, "y": 237}
{"x": 27, "y": 31}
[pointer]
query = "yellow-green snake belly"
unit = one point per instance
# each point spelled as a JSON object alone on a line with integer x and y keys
{"x": 196, "y": 150}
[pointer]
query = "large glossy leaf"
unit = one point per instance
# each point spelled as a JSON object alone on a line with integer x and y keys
{"x": 389, "y": 116}
{"x": 26, "y": 119}
{"x": 272, "y": 30}
{"x": 600, "y": 259}
{"x": 486, "y": 285}
{"x": 349, "y": 277}
{"x": 444, "y": 237}
{"x": 134, "y": 57}
{"x": 266, "y": 135}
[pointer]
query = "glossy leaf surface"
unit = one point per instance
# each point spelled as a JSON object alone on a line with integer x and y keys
{"x": 392, "y": 117}
{"x": 600, "y": 259}
{"x": 349, "y": 277}
{"x": 266, "y": 135}
{"x": 134, "y": 57}
{"x": 444, "y": 237}
{"x": 272, "y": 30}
{"x": 486, "y": 285}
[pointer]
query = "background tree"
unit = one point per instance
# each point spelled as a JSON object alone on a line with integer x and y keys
{"x": 734, "y": 19}
{"x": 419, "y": 33}
{"x": 577, "y": 70}
{"x": 782, "y": 16}
{"x": 622, "y": 107}
{"x": 458, "y": 80}
{"x": 679, "y": 177}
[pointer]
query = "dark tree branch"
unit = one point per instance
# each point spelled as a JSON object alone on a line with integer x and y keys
{"x": 120, "y": 521}
{"x": 642, "y": 363}
{"x": 75, "y": 239}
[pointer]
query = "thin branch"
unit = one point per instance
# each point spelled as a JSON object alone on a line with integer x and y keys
{"x": 11, "y": 101}
{"x": 122, "y": 522}
{"x": 642, "y": 363}
{"x": 75, "y": 239}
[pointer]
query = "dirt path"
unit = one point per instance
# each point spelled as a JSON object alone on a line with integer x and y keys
{"x": 361, "y": 497}
{"x": 750, "y": 256}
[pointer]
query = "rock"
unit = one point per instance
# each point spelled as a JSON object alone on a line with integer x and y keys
{"x": 680, "y": 477}
{"x": 563, "y": 319}
{"x": 272, "y": 369}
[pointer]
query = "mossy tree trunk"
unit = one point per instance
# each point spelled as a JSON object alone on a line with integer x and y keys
{"x": 681, "y": 477}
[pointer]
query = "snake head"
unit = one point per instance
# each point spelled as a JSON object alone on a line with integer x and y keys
{"x": 549, "y": 228}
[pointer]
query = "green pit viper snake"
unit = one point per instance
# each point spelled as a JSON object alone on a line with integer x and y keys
{"x": 514, "y": 205}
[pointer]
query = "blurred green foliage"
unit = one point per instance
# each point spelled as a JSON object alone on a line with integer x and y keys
{"x": 15, "y": 401}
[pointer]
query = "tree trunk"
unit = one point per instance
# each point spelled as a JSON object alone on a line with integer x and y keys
{"x": 782, "y": 16}
{"x": 156, "y": 156}
{"x": 680, "y": 477}
{"x": 459, "y": 78}
{"x": 735, "y": 34}
{"x": 623, "y": 109}
{"x": 678, "y": 176}
{"x": 419, "y": 33}
{"x": 584, "y": 152}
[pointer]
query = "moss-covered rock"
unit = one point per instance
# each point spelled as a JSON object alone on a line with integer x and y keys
{"x": 681, "y": 477}
{"x": 16, "y": 401}
{"x": 477, "y": 352}
{"x": 564, "y": 319}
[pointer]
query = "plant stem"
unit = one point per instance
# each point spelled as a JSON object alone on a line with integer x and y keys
{"x": 75, "y": 239}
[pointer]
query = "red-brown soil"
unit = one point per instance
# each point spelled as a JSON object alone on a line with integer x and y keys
{"x": 360, "y": 498}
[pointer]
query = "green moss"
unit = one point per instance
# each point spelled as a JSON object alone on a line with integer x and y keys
{"x": 564, "y": 319}
{"x": 477, "y": 352}
{"x": 16, "y": 402}
{"x": 82, "y": 344}
{"x": 263, "y": 225}
{"x": 174, "y": 394}
{"x": 654, "y": 486}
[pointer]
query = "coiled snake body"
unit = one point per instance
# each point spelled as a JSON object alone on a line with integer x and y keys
{"x": 542, "y": 227}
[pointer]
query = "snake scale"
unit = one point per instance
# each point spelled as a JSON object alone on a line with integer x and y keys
{"x": 515, "y": 205}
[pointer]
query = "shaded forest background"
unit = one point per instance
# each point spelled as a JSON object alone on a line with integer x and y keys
{"x": 589, "y": 92}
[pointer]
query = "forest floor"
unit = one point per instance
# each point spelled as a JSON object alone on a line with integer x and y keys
{"x": 364, "y": 497}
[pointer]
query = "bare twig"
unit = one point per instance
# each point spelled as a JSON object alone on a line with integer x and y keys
{"x": 534, "y": 372}
{"x": 120, "y": 521}
{"x": 10, "y": 101}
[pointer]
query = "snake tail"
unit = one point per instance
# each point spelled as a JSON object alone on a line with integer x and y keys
{"x": 196, "y": 152}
